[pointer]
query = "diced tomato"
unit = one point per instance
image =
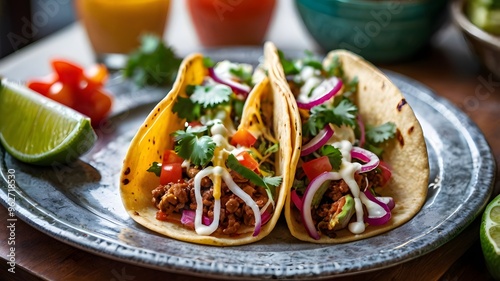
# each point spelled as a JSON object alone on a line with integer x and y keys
{"x": 169, "y": 156}
{"x": 243, "y": 137}
{"x": 170, "y": 173}
{"x": 248, "y": 161}
{"x": 68, "y": 72}
{"x": 316, "y": 166}
{"x": 195, "y": 124}
{"x": 161, "y": 216}
{"x": 385, "y": 171}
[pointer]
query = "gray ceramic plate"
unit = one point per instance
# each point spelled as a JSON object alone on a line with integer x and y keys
{"x": 80, "y": 204}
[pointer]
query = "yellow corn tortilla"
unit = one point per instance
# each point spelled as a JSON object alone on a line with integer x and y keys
{"x": 153, "y": 137}
{"x": 378, "y": 101}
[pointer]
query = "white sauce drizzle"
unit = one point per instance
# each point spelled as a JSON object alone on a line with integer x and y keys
{"x": 347, "y": 171}
{"x": 219, "y": 136}
{"x": 199, "y": 227}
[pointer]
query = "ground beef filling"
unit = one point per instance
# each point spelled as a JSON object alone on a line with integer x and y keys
{"x": 330, "y": 202}
{"x": 176, "y": 197}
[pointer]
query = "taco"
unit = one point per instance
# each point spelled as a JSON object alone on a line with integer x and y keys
{"x": 210, "y": 163}
{"x": 362, "y": 165}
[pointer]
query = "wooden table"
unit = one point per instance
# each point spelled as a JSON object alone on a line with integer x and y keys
{"x": 446, "y": 66}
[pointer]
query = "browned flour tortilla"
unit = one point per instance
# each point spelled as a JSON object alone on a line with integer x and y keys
{"x": 153, "y": 137}
{"x": 378, "y": 101}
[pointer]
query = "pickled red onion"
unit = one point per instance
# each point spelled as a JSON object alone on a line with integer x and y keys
{"x": 238, "y": 88}
{"x": 371, "y": 160}
{"x": 297, "y": 201}
{"x": 189, "y": 215}
{"x": 380, "y": 220}
{"x": 322, "y": 99}
{"x": 311, "y": 189}
{"x": 318, "y": 141}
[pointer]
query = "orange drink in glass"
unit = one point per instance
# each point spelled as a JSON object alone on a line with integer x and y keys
{"x": 114, "y": 27}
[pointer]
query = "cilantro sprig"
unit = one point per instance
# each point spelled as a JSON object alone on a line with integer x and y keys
{"x": 152, "y": 64}
{"x": 269, "y": 183}
{"x": 200, "y": 99}
{"x": 342, "y": 114}
{"x": 334, "y": 155}
{"x": 194, "y": 146}
{"x": 377, "y": 136}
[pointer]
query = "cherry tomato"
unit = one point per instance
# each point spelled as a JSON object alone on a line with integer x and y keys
{"x": 316, "y": 166}
{"x": 68, "y": 72}
{"x": 62, "y": 93}
{"x": 101, "y": 105}
{"x": 82, "y": 90}
{"x": 96, "y": 76}
{"x": 42, "y": 85}
{"x": 248, "y": 161}
{"x": 243, "y": 137}
{"x": 169, "y": 156}
{"x": 170, "y": 173}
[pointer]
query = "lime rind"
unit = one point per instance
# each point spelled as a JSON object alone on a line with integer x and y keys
{"x": 37, "y": 130}
{"x": 490, "y": 237}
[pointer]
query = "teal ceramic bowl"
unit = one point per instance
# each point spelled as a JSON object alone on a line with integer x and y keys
{"x": 379, "y": 31}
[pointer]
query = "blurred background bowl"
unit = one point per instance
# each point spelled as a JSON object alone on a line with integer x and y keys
{"x": 485, "y": 45}
{"x": 380, "y": 31}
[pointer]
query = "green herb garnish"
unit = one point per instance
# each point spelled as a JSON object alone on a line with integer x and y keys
{"x": 377, "y": 136}
{"x": 192, "y": 145}
{"x": 269, "y": 183}
{"x": 152, "y": 64}
{"x": 155, "y": 168}
{"x": 334, "y": 155}
{"x": 211, "y": 95}
{"x": 342, "y": 114}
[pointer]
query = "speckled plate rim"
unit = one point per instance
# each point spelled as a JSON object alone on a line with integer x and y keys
{"x": 28, "y": 210}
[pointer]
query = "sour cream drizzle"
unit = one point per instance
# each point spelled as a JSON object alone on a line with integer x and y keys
{"x": 216, "y": 173}
{"x": 347, "y": 171}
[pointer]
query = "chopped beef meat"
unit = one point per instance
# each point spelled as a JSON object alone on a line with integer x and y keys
{"x": 175, "y": 197}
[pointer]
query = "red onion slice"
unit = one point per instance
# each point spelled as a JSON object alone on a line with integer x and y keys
{"x": 322, "y": 99}
{"x": 371, "y": 160}
{"x": 386, "y": 172}
{"x": 238, "y": 88}
{"x": 318, "y": 141}
{"x": 389, "y": 201}
{"x": 188, "y": 218}
{"x": 380, "y": 220}
{"x": 361, "y": 126}
{"x": 297, "y": 201}
{"x": 311, "y": 189}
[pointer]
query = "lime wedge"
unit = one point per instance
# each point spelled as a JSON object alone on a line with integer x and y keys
{"x": 37, "y": 130}
{"x": 490, "y": 237}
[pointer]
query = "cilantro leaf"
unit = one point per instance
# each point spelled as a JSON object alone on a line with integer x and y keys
{"x": 197, "y": 149}
{"x": 155, "y": 168}
{"x": 253, "y": 177}
{"x": 242, "y": 73}
{"x": 152, "y": 64}
{"x": 272, "y": 181}
{"x": 381, "y": 133}
{"x": 288, "y": 65}
{"x": 208, "y": 62}
{"x": 342, "y": 114}
{"x": 187, "y": 109}
{"x": 334, "y": 155}
{"x": 211, "y": 95}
